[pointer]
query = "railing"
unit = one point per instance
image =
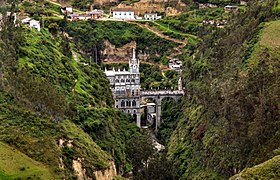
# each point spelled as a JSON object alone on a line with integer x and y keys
{"x": 162, "y": 92}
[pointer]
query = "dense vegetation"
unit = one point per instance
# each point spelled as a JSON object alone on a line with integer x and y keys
{"x": 171, "y": 113}
{"x": 91, "y": 35}
{"x": 46, "y": 96}
{"x": 228, "y": 121}
{"x": 231, "y": 120}
{"x": 190, "y": 22}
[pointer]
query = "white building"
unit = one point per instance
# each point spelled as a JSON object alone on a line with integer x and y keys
{"x": 96, "y": 13}
{"x": 229, "y": 8}
{"x": 125, "y": 86}
{"x": 175, "y": 64}
{"x": 151, "y": 16}
{"x": 32, "y": 23}
{"x": 35, "y": 24}
{"x": 66, "y": 8}
{"x": 123, "y": 13}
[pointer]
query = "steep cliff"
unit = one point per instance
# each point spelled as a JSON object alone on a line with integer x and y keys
{"x": 107, "y": 174}
{"x": 122, "y": 54}
{"x": 231, "y": 117}
{"x": 169, "y": 7}
{"x": 56, "y": 110}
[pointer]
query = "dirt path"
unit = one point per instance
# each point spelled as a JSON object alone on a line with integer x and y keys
{"x": 159, "y": 33}
{"x": 58, "y": 4}
{"x": 176, "y": 50}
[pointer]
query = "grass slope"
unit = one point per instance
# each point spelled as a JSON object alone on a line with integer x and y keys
{"x": 231, "y": 116}
{"x": 14, "y": 164}
{"x": 37, "y": 136}
{"x": 88, "y": 99}
{"x": 267, "y": 170}
{"x": 270, "y": 37}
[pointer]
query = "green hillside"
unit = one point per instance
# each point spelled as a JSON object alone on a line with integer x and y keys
{"x": 56, "y": 105}
{"x": 47, "y": 96}
{"x": 266, "y": 170}
{"x": 14, "y": 165}
{"x": 231, "y": 119}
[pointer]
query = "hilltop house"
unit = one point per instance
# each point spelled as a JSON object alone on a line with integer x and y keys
{"x": 96, "y": 13}
{"x": 35, "y": 24}
{"x": 32, "y": 23}
{"x": 123, "y": 13}
{"x": 229, "y": 8}
{"x": 151, "y": 16}
{"x": 79, "y": 17}
{"x": 175, "y": 64}
{"x": 66, "y": 8}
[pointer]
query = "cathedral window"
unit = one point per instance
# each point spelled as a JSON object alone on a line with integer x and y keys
{"x": 133, "y": 103}
{"x": 122, "y": 103}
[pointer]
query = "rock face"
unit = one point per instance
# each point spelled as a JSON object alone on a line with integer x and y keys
{"x": 79, "y": 171}
{"x": 148, "y": 6}
{"x": 122, "y": 54}
{"x": 107, "y": 174}
{"x": 103, "y": 2}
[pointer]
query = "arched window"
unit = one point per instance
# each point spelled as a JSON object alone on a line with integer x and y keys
{"x": 128, "y": 103}
{"x": 133, "y": 103}
{"x": 132, "y": 80}
{"x": 132, "y": 93}
{"x": 122, "y": 80}
{"x": 122, "y": 103}
{"x": 117, "y": 80}
{"x": 127, "y": 80}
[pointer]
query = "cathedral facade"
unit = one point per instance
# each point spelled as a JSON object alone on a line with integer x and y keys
{"x": 125, "y": 86}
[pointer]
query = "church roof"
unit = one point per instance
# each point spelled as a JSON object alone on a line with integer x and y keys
{"x": 124, "y": 9}
{"x": 113, "y": 73}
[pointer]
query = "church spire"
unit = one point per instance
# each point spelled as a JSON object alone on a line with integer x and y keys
{"x": 134, "y": 63}
{"x": 133, "y": 54}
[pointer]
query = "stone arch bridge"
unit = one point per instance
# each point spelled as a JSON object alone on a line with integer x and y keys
{"x": 158, "y": 96}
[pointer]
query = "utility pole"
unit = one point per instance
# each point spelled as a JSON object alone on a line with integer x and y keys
{"x": 95, "y": 54}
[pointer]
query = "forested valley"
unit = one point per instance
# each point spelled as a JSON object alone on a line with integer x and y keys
{"x": 58, "y": 119}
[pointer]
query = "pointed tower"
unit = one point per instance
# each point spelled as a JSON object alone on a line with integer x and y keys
{"x": 180, "y": 85}
{"x": 134, "y": 63}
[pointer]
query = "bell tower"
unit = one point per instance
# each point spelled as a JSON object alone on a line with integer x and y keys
{"x": 134, "y": 63}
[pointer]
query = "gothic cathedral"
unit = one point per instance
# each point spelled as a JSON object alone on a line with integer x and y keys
{"x": 125, "y": 86}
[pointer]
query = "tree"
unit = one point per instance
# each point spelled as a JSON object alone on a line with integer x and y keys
{"x": 139, "y": 150}
{"x": 53, "y": 28}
